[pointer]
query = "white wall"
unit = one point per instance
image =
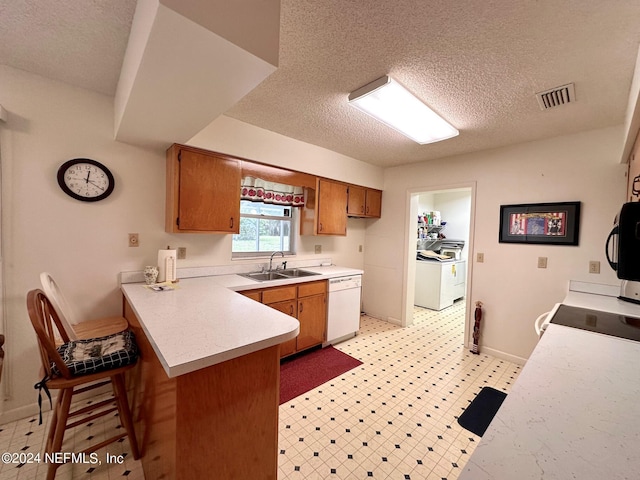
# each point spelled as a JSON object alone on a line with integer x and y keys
{"x": 83, "y": 245}
{"x": 514, "y": 291}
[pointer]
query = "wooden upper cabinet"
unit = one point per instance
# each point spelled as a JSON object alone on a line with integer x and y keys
{"x": 357, "y": 199}
{"x": 331, "y": 208}
{"x": 203, "y": 191}
{"x": 364, "y": 202}
{"x": 373, "y": 204}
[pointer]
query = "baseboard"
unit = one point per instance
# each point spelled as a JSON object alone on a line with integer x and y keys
{"x": 395, "y": 321}
{"x": 32, "y": 409}
{"x": 502, "y": 355}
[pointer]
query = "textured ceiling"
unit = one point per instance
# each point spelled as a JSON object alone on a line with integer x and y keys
{"x": 477, "y": 63}
{"x": 80, "y": 42}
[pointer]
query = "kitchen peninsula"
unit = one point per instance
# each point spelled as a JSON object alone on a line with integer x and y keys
{"x": 207, "y": 389}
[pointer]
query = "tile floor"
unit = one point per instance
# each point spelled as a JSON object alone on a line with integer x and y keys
{"x": 393, "y": 417}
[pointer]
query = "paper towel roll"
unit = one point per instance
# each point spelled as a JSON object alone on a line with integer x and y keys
{"x": 166, "y": 265}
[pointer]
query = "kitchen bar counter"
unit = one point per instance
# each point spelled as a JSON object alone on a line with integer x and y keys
{"x": 203, "y": 322}
{"x": 574, "y": 410}
{"x": 206, "y": 390}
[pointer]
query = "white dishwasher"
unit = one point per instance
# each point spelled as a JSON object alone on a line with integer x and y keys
{"x": 343, "y": 309}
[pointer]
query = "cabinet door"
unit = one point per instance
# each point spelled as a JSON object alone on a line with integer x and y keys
{"x": 209, "y": 193}
{"x": 312, "y": 315}
{"x": 373, "y": 206}
{"x": 356, "y": 201}
{"x": 288, "y": 307}
{"x": 332, "y": 208}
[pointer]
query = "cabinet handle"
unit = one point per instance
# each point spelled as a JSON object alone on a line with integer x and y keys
{"x": 367, "y": 210}
{"x": 291, "y": 310}
{"x": 231, "y": 222}
{"x": 320, "y": 229}
{"x": 301, "y": 305}
{"x": 362, "y": 209}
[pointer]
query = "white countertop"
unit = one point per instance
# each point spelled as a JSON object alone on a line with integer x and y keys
{"x": 204, "y": 321}
{"x": 574, "y": 410}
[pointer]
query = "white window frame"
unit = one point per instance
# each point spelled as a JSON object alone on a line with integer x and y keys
{"x": 293, "y": 219}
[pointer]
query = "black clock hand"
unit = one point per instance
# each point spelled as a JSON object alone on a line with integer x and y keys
{"x": 86, "y": 180}
{"x": 94, "y": 183}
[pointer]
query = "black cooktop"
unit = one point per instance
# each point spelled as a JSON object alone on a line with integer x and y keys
{"x": 600, "y": 322}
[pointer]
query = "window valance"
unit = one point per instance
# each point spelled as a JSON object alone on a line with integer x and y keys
{"x": 258, "y": 190}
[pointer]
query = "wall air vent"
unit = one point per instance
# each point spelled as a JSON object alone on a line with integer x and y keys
{"x": 556, "y": 97}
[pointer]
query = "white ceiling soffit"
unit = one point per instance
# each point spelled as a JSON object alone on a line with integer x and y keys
{"x": 178, "y": 76}
{"x": 632, "y": 118}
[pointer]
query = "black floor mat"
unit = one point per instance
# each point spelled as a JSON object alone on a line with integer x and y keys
{"x": 478, "y": 415}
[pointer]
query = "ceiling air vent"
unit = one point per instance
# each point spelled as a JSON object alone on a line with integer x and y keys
{"x": 556, "y": 97}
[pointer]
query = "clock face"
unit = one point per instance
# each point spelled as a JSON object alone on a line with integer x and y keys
{"x": 85, "y": 179}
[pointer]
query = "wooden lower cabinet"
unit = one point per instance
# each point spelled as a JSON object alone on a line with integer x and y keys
{"x": 289, "y": 307}
{"x": 307, "y": 302}
{"x": 312, "y": 315}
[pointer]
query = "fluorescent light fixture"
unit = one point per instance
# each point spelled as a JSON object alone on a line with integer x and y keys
{"x": 389, "y": 102}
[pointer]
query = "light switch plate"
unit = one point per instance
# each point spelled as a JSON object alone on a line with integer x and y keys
{"x": 479, "y": 257}
{"x": 542, "y": 262}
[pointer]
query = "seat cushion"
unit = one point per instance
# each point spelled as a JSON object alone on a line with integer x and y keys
{"x": 93, "y": 355}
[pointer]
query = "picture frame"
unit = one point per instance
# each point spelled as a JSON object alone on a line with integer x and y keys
{"x": 540, "y": 223}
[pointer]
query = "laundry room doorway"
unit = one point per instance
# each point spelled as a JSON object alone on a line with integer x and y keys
{"x": 439, "y": 239}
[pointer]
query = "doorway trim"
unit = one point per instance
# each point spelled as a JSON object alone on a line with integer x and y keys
{"x": 408, "y": 284}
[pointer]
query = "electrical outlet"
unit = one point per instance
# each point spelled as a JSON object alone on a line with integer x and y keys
{"x": 318, "y": 248}
{"x": 594, "y": 266}
{"x": 182, "y": 253}
{"x": 360, "y": 248}
{"x": 480, "y": 257}
{"x": 542, "y": 262}
{"x": 134, "y": 241}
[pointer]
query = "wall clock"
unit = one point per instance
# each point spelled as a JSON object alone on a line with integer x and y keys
{"x": 85, "y": 179}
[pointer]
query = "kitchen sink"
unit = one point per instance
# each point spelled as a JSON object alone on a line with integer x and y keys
{"x": 296, "y": 272}
{"x": 278, "y": 275}
{"x": 261, "y": 277}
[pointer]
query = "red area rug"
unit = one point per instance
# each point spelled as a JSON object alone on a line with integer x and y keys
{"x": 305, "y": 372}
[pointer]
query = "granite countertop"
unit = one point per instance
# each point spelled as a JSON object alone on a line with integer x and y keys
{"x": 573, "y": 411}
{"x": 204, "y": 322}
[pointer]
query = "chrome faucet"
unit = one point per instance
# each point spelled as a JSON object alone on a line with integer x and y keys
{"x": 271, "y": 259}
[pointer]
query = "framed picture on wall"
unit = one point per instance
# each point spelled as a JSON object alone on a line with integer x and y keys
{"x": 543, "y": 223}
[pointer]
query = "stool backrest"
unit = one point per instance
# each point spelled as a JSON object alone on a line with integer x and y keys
{"x": 60, "y": 305}
{"x": 47, "y": 325}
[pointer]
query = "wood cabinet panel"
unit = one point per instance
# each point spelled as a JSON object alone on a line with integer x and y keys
{"x": 203, "y": 194}
{"x": 307, "y": 302}
{"x": 332, "y": 208}
{"x": 364, "y": 202}
{"x": 278, "y": 294}
{"x": 312, "y": 288}
{"x": 356, "y": 202}
{"x": 203, "y": 191}
{"x": 288, "y": 307}
{"x": 373, "y": 206}
{"x": 312, "y": 315}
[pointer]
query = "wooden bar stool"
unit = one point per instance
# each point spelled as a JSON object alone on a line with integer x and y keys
{"x": 67, "y": 370}
{"x": 79, "y": 330}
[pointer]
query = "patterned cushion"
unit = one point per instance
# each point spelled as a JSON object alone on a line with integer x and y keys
{"x": 83, "y": 357}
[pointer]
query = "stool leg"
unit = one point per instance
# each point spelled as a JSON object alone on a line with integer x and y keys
{"x": 61, "y": 424}
{"x": 122, "y": 401}
{"x": 54, "y": 422}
